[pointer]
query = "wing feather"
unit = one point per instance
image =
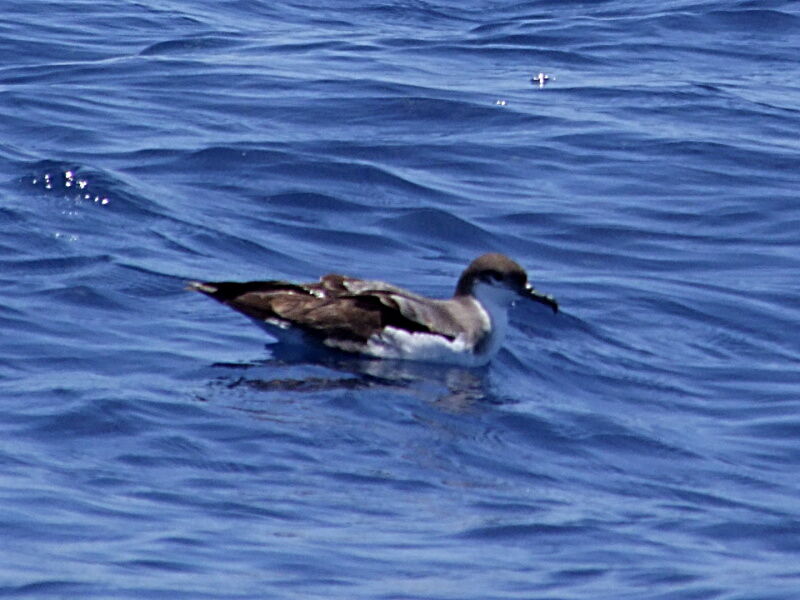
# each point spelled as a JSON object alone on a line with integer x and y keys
{"x": 337, "y": 307}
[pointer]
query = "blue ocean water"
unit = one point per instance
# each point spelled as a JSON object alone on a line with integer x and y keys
{"x": 642, "y": 444}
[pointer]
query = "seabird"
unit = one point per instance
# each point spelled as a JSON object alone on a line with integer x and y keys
{"x": 381, "y": 320}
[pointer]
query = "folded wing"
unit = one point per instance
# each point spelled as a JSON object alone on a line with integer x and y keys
{"x": 338, "y": 309}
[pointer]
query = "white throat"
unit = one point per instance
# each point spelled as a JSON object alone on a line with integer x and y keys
{"x": 495, "y": 301}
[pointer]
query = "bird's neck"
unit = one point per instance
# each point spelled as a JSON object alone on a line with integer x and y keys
{"x": 495, "y": 304}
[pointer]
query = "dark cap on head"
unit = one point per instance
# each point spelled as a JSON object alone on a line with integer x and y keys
{"x": 499, "y": 267}
{"x": 493, "y": 265}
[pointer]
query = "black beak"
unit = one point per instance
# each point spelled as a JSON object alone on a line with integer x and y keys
{"x": 540, "y": 297}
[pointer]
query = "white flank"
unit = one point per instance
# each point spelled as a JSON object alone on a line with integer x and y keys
{"x": 282, "y": 331}
{"x": 491, "y": 303}
{"x": 399, "y": 343}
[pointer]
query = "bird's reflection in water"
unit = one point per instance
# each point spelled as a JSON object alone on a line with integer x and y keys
{"x": 454, "y": 389}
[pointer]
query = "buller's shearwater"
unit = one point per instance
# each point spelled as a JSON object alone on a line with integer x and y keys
{"x": 384, "y": 321}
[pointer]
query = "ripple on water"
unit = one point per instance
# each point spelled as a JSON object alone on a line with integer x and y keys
{"x": 639, "y": 444}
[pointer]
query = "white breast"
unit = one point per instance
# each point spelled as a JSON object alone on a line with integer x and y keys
{"x": 494, "y": 302}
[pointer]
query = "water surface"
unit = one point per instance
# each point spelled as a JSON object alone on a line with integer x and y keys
{"x": 642, "y": 444}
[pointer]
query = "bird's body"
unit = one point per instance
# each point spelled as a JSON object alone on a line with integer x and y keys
{"x": 385, "y": 321}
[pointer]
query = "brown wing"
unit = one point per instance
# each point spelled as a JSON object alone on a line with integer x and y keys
{"x": 325, "y": 309}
